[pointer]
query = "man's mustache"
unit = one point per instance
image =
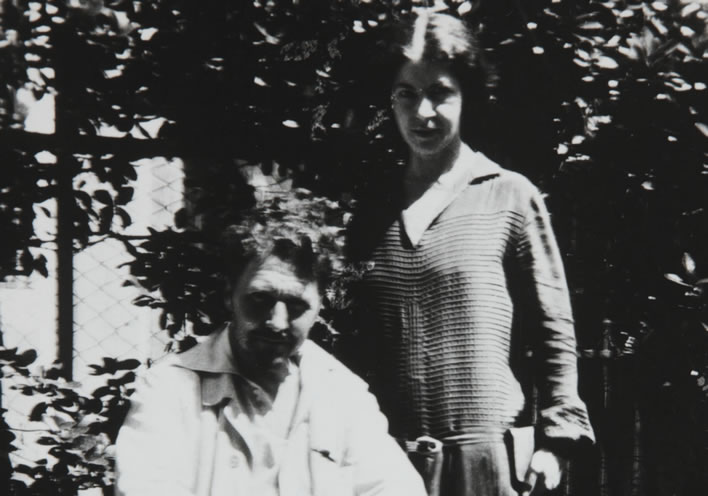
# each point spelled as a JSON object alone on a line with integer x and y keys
{"x": 269, "y": 335}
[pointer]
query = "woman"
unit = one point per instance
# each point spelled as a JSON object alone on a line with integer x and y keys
{"x": 463, "y": 250}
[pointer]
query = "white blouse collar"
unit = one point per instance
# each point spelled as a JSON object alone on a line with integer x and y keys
{"x": 417, "y": 218}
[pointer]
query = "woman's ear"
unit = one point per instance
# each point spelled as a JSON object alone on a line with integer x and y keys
{"x": 228, "y": 295}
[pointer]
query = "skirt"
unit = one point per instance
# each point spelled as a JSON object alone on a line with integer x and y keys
{"x": 476, "y": 469}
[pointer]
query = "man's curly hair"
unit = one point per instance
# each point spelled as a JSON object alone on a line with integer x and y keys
{"x": 295, "y": 226}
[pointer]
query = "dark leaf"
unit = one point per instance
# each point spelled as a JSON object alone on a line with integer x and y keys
{"x": 143, "y": 300}
{"x": 130, "y": 173}
{"x": 181, "y": 218}
{"x": 103, "y": 196}
{"x": 6, "y": 437}
{"x": 106, "y": 220}
{"x": 92, "y": 405}
{"x": 24, "y": 469}
{"x": 163, "y": 319}
{"x": 128, "y": 364}
{"x": 122, "y": 380}
{"x": 26, "y": 357}
{"x": 8, "y": 353}
{"x": 38, "y": 412}
{"x": 40, "y": 265}
{"x": 26, "y": 260}
{"x": 61, "y": 468}
{"x": 125, "y": 195}
{"x": 83, "y": 198}
{"x": 124, "y": 217}
{"x": 65, "y": 403}
{"x": 186, "y": 343}
{"x": 53, "y": 373}
{"x": 47, "y": 441}
{"x": 103, "y": 391}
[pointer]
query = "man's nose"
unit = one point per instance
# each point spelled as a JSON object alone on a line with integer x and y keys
{"x": 425, "y": 109}
{"x": 279, "y": 318}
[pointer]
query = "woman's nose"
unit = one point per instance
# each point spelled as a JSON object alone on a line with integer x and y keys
{"x": 425, "y": 108}
{"x": 278, "y": 319}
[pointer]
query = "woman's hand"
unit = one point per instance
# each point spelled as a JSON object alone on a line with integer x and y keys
{"x": 544, "y": 469}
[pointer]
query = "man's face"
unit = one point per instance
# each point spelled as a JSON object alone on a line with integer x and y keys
{"x": 273, "y": 312}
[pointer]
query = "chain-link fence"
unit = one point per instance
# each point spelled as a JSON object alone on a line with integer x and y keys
{"x": 106, "y": 323}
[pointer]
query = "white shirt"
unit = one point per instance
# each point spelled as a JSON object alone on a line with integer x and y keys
{"x": 269, "y": 428}
{"x": 197, "y": 428}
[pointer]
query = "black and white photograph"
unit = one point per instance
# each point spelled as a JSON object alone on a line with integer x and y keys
{"x": 353, "y": 247}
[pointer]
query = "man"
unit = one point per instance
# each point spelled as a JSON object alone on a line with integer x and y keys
{"x": 257, "y": 409}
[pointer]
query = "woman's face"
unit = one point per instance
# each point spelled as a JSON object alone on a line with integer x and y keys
{"x": 427, "y": 104}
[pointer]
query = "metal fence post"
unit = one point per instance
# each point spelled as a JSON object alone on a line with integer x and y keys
{"x": 65, "y": 208}
{"x": 65, "y": 266}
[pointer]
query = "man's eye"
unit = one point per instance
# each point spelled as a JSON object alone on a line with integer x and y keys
{"x": 261, "y": 300}
{"x": 297, "y": 307}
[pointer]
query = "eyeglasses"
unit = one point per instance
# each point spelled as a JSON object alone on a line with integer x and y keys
{"x": 407, "y": 96}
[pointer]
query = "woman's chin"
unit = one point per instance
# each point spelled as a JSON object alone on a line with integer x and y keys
{"x": 427, "y": 145}
{"x": 428, "y": 148}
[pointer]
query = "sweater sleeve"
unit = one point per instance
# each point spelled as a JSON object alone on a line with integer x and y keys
{"x": 563, "y": 415}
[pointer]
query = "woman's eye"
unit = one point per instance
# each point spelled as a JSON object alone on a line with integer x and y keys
{"x": 404, "y": 94}
{"x": 440, "y": 93}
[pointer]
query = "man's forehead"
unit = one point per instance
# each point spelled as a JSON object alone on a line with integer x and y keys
{"x": 273, "y": 272}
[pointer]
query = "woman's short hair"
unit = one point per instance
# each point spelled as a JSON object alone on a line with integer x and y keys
{"x": 436, "y": 37}
{"x": 429, "y": 36}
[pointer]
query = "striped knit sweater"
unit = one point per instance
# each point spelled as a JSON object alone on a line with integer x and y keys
{"x": 444, "y": 311}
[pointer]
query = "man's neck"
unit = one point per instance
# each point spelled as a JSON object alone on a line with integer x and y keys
{"x": 271, "y": 379}
{"x": 268, "y": 377}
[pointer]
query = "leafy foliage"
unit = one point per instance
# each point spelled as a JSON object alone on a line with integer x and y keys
{"x": 78, "y": 429}
{"x": 294, "y": 216}
{"x": 183, "y": 273}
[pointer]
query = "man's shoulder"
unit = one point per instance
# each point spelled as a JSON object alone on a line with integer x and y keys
{"x": 319, "y": 361}
{"x": 168, "y": 372}
{"x": 313, "y": 355}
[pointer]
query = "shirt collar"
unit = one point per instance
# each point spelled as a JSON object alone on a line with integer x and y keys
{"x": 470, "y": 166}
{"x": 480, "y": 166}
{"x": 211, "y": 355}
{"x": 213, "y": 361}
{"x": 457, "y": 177}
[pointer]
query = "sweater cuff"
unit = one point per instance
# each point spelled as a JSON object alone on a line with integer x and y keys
{"x": 563, "y": 427}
